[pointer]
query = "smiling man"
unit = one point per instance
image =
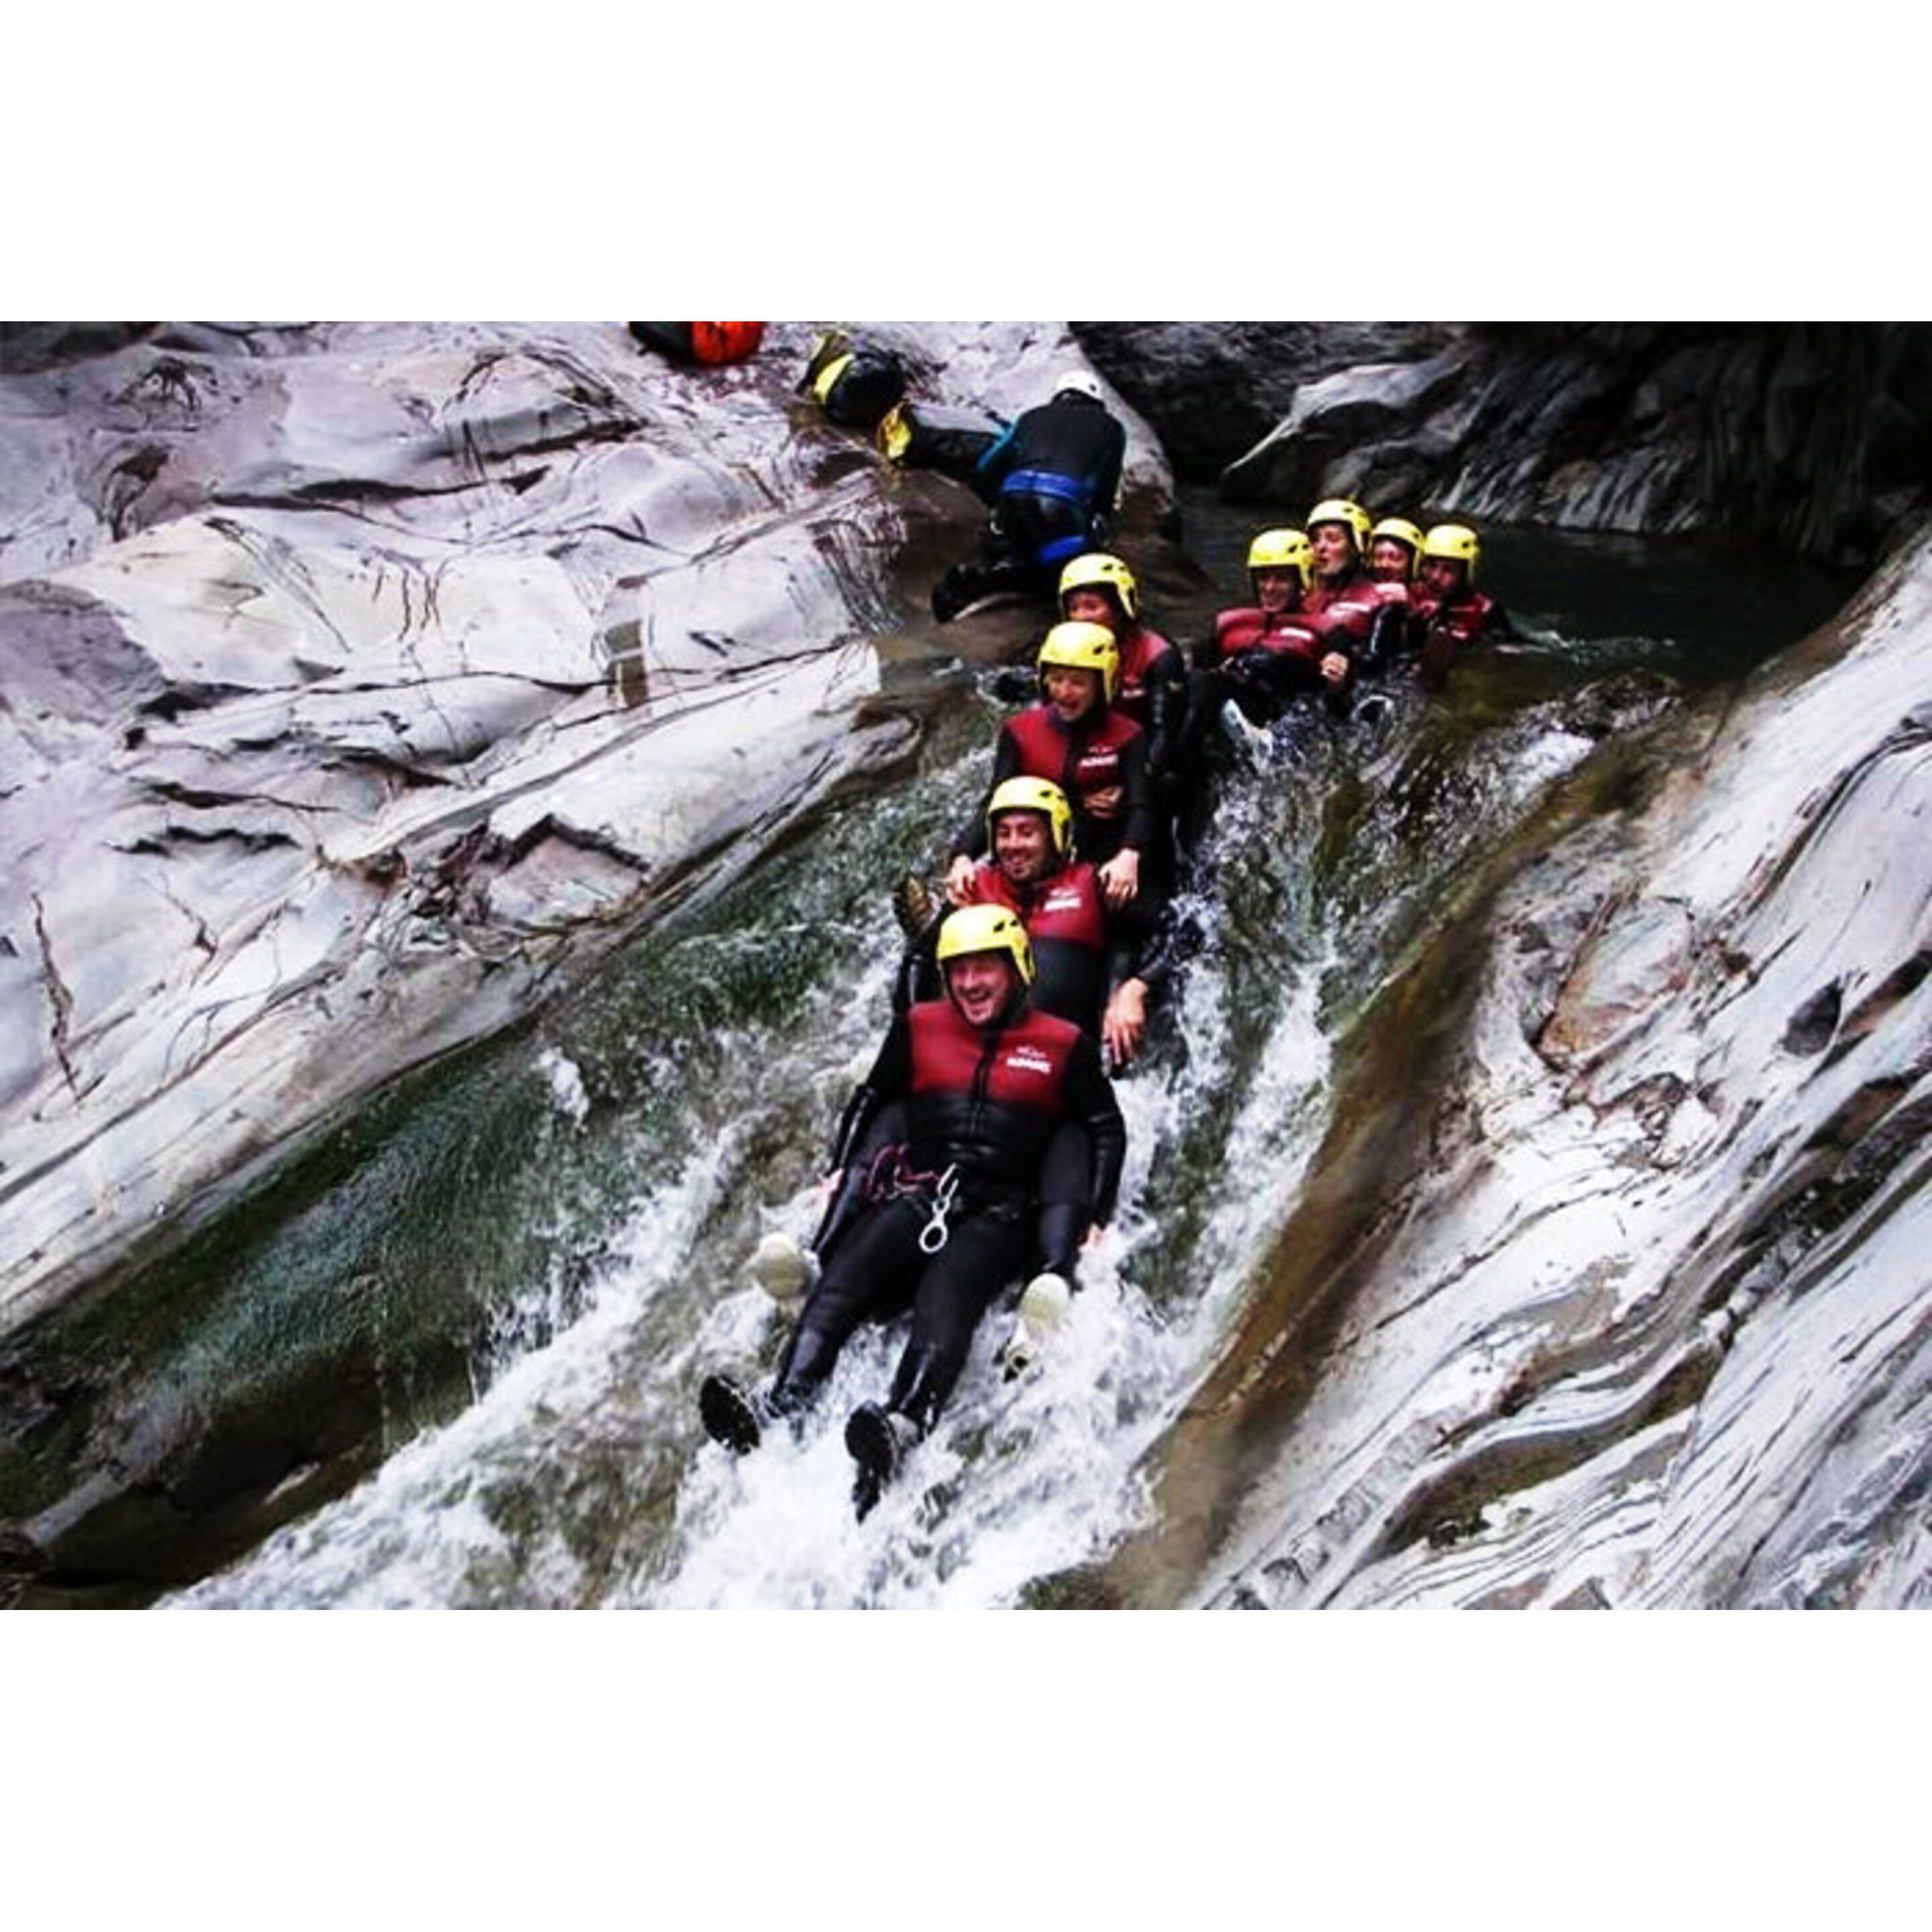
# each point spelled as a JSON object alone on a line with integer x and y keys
{"x": 1095, "y": 964}
{"x": 964, "y": 1209}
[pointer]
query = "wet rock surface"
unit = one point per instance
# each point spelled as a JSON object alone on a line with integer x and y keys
{"x": 361, "y": 686}
{"x": 360, "y": 680}
{"x": 1215, "y": 389}
{"x": 1809, "y": 435}
{"x": 1623, "y": 1305}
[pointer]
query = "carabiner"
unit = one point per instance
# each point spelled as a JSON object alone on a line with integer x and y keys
{"x": 933, "y": 1236}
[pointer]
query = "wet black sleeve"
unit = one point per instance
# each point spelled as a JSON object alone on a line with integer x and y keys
{"x": 918, "y": 976}
{"x": 1090, "y": 1101}
{"x": 1141, "y": 942}
{"x": 990, "y": 469}
{"x": 1392, "y": 633}
{"x": 891, "y": 1077}
{"x": 1107, "y": 478}
{"x": 1166, "y": 709}
{"x": 1137, "y": 805}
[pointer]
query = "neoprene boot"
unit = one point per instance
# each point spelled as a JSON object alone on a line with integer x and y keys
{"x": 922, "y": 1381}
{"x": 807, "y": 1366}
{"x": 879, "y": 1441}
{"x": 732, "y": 1414}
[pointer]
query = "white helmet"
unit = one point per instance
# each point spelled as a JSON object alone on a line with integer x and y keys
{"x": 1079, "y": 382}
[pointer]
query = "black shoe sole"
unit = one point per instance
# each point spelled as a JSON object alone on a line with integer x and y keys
{"x": 870, "y": 1442}
{"x": 728, "y": 1416}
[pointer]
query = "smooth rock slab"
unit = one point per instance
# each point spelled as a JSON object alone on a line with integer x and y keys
{"x": 358, "y": 681}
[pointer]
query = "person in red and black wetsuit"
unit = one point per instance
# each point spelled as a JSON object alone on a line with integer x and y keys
{"x": 1341, "y": 606}
{"x": 1449, "y": 612}
{"x": 1094, "y": 753}
{"x": 1095, "y": 966}
{"x": 1099, "y": 588}
{"x": 1260, "y": 657}
{"x": 1394, "y": 550}
{"x": 986, "y": 1082}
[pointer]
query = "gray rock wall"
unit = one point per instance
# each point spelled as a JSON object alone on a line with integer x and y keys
{"x": 357, "y": 681}
{"x": 1606, "y": 1288}
{"x": 1809, "y": 436}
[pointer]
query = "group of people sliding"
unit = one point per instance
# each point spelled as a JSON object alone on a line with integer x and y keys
{"x": 986, "y": 1142}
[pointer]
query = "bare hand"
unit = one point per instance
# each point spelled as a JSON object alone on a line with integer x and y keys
{"x": 1104, "y": 803}
{"x": 1124, "y": 1026}
{"x": 1120, "y": 876}
{"x": 959, "y": 877}
{"x": 1335, "y": 667}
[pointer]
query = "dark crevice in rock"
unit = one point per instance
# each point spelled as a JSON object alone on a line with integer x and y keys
{"x": 61, "y": 999}
{"x": 179, "y": 699}
{"x": 160, "y": 845}
{"x": 1811, "y": 1027}
{"x": 341, "y": 493}
{"x": 1869, "y": 1144}
{"x": 1450, "y": 1509}
{"x": 193, "y": 796}
{"x": 1877, "y": 1005}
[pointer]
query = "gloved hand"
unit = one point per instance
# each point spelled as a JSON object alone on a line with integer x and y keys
{"x": 1044, "y": 1303}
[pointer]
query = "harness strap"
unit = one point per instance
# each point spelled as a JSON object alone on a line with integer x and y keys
{"x": 1047, "y": 483}
{"x": 1061, "y": 548}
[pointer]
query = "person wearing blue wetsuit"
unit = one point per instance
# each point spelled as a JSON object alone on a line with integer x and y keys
{"x": 1051, "y": 481}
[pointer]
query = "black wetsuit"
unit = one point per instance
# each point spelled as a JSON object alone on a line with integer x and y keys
{"x": 982, "y": 1111}
{"x": 1051, "y": 481}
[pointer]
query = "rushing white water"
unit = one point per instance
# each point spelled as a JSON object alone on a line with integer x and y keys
{"x": 1021, "y": 1479}
{"x": 579, "y": 1475}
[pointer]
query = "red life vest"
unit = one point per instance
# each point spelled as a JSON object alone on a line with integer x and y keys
{"x": 1066, "y": 905}
{"x": 1081, "y": 761}
{"x": 1140, "y": 649}
{"x": 1346, "y": 611}
{"x": 1023, "y": 1065}
{"x": 1250, "y": 628}
{"x": 1462, "y": 617}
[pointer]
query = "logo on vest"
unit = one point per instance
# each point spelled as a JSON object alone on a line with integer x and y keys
{"x": 1028, "y": 1060}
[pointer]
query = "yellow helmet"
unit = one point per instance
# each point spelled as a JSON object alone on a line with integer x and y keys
{"x": 1040, "y": 795}
{"x": 986, "y": 929}
{"x": 1339, "y": 510}
{"x": 1282, "y": 550}
{"x": 1097, "y": 571}
{"x": 1404, "y": 533}
{"x": 894, "y": 434}
{"x": 826, "y": 380}
{"x": 1077, "y": 646}
{"x": 1457, "y": 541}
{"x": 831, "y": 346}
